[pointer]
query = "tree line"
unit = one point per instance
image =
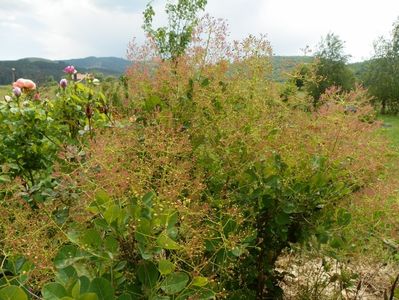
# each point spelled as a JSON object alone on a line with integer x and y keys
{"x": 380, "y": 74}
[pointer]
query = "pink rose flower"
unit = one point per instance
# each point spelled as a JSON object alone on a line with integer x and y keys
{"x": 29, "y": 84}
{"x": 24, "y": 84}
{"x": 20, "y": 83}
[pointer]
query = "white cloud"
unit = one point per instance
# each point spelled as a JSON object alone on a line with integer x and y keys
{"x": 66, "y": 29}
{"x": 293, "y": 24}
{"x": 61, "y": 30}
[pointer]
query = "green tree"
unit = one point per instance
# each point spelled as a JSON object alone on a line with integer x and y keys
{"x": 173, "y": 39}
{"x": 382, "y": 75}
{"x": 330, "y": 68}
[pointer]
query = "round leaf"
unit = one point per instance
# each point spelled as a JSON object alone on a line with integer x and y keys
{"x": 148, "y": 274}
{"x": 12, "y": 292}
{"x": 200, "y": 281}
{"x": 166, "y": 242}
{"x": 68, "y": 255}
{"x": 102, "y": 288}
{"x": 165, "y": 267}
{"x": 88, "y": 296}
{"x": 175, "y": 283}
{"x": 53, "y": 291}
{"x": 125, "y": 297}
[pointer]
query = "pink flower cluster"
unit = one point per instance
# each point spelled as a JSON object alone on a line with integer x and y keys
{"x": 70, "y": 70}
{"x": 24, "y": 84}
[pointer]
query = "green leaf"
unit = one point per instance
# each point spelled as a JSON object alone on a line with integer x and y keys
{"x": 5, "y": 179}
{"x": 172, "y": 219}
{"x": 88, "y": 296}
{"x": 289, "y": 207}
{"x": 175, "y": 283}
{"x": 237, "y": 251}
{"x": 143, "y": 231}
{"x": 18, "y": 265}
{"x": 54, "y": 291}
{"x": 66, "y": 275}
{"x": 101, "y": 199}
{"x": 343, "y": 217}
{"x": 111, "y": 245}
{"x": 336, "y": 243}
{"x": 152, "y": 102}
{"x": 205, "y": 82}
{"x": 91, "y": 238}
{"x": 112, "y": 213}
{"x": 282, "y": 219}
{"x": 68, "y": 255}
{"x": 172, "y": 232}
{"x": 318, "y": 162}
{"x": 200, "y": 281}
{"x": 102, "y": 288}
{"x": 166, "y": 242}
{"x": 165, "y": 267}
{"x": 148, "y": 273}
{"x": 201, "y": 294}
{"x": 322, "y": 237}
{"x": 12, "y": 292}
{"x": 76, "y": 289}
{"x": 147, "y": 199}
{"x": 84, "y": 284}
{"x": 61, "y": 215}
{"x": 125, "y": 297}
{"x": 229, "y": 226}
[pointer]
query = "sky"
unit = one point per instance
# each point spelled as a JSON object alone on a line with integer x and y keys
{"x": 62, "y": 29}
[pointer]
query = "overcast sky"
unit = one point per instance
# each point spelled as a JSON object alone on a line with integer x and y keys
{"x": 60, "y": 29}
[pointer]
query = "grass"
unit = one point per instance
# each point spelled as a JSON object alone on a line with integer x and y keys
{"x": 4, "y": 90}
{"x": 370, "y": 248}
{"x": 45, "y": 91}
{"x": 390, "y": 129}
{"x": 375, "y": 208}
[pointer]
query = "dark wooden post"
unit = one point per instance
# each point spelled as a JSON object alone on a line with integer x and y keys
{"x": 13, "y": 74}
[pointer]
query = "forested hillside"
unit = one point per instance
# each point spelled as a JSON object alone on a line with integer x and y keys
{"x": 44, "y": 70}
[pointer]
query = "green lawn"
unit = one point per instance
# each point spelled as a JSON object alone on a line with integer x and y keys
{"x": 375, "y": 208}
{"x": 390, "y": 128}
{"x": 378, "y": 209}
{"x": 4, "y": 90}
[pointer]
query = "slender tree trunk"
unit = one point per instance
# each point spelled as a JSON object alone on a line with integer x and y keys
{"x": 384, "y": 106}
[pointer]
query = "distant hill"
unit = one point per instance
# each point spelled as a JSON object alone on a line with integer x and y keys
{"x": 109, "y": 65}
{"x": 283, "y": 65}
{"x": 43, "y": 70}
{"x": 359, "y": 69}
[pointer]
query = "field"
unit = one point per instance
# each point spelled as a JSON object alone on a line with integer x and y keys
{"x": 390, "y": 128}
{"x": 5, "y": 90}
